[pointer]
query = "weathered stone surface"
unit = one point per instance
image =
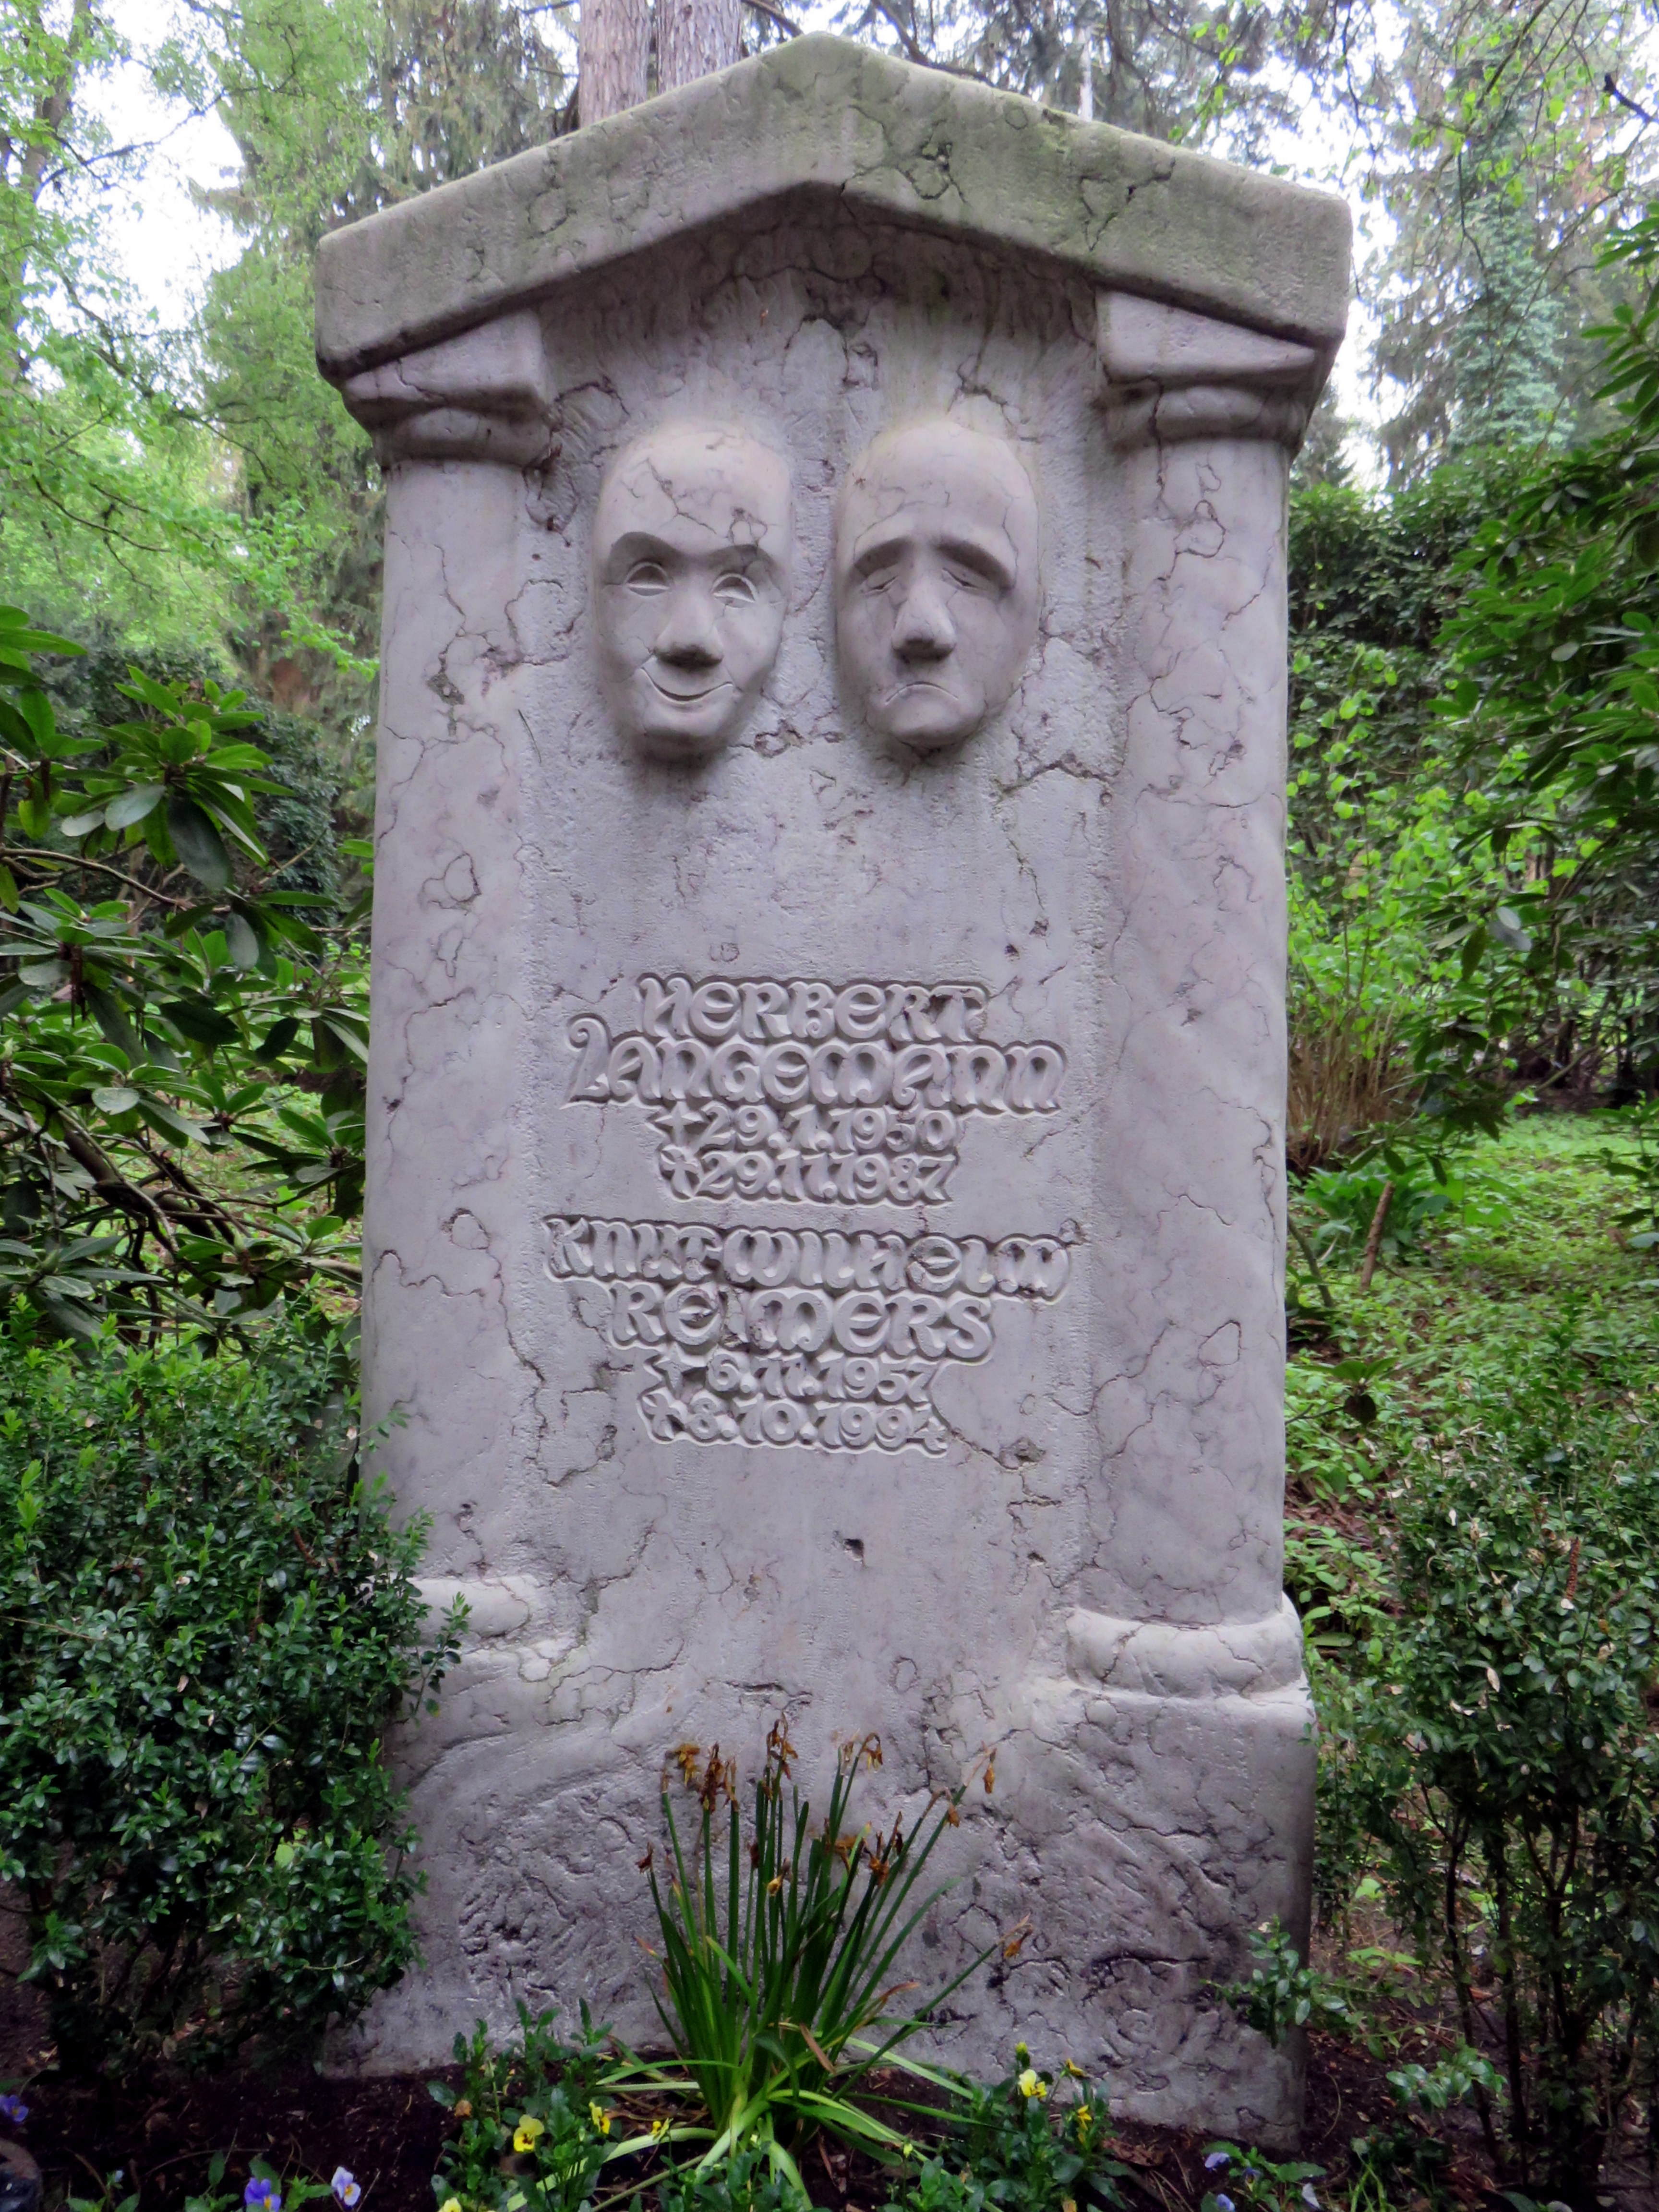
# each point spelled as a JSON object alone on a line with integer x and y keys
{"x": 826, "y": 1201}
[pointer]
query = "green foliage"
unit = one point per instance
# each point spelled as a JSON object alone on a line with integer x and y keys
{"x": 1404, "y": 972}
{"x": 205, "y": 1622}
{"x": 1451, "y": 2081}
{"x": 535, "y": 2130}
{"x": 1031, "y": 2142}
{"x": 1248, "y": 2180}
{"x": 109, "y": 501}
{"x": 747, "y": 2181}
{"x": 1496, "y": 1751}
{"x": 1431, "y": 1178}
{"x": 1554, "y": 687}
{"x": 1636, "y": 1167}
{"x": 1282, "y": 1994}
{"x": 778, "y": 1971}
{"x": 181, "y": 1048}
{"x": 288, "y": 2192}
{"x": 1338, "y": 1585}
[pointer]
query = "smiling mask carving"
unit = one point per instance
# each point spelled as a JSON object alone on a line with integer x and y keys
{"x": 936, "y": 580}
{"x": 691, "y": 543}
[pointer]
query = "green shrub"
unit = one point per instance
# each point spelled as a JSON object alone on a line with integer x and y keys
{"x": 1499, "y": 1749}
{"x": 206, "y": 1621}
{"x": 535, "y": 2125}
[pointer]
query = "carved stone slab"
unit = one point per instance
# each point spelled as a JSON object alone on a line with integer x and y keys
{"x": 825, "y": 1216}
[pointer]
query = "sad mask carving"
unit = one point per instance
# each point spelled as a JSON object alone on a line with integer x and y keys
{"x": 691, "y": 543}
{"x": 936, "y": 580}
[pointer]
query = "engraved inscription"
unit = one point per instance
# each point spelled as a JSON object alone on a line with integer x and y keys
{"x": 777, "y": 1336}
{"x": 853, "y": 1094}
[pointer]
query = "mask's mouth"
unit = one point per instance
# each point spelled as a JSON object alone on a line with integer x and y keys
{"x": 691, "y": 695}
{"x": 913, "y": 683}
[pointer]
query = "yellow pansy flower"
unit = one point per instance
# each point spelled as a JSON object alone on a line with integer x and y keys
{"x": 524, "y": 2135}
{"x": 600, "y": 2118}
{"x": 449, "y": 2204}
{"x": 1031, "y": 2083}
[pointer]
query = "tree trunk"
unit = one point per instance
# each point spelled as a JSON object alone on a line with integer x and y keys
{"x": 695, "y": 37}
{"x": 613, "y": 41}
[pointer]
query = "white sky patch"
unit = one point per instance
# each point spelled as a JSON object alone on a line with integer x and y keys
{"x": 163, "y": 242}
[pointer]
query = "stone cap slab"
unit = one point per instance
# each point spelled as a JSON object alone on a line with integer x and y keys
{"x": 897, "y": 142}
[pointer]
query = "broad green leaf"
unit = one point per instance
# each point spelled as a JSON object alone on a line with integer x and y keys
{"x": 133, "y": 805}
{"x": 72, "y": 1320}
{"x": 113, "y": 1098}
{"x": 241, "y": 941}
{"x": 198, "y": 842}
{"x": 111, "y": 1018}
{"x": 16, "y": 636}
{"x": 354, "y": 1041}
{"x": 166, "y": 699}
{"x": 201, "y": 1021}
{"x": 278, "y": 1039}
{"x": 168, "y": 1123}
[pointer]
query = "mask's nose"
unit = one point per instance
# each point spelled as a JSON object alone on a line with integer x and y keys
{"x": 690, "y": 638}
{"x": 924, "y": 630}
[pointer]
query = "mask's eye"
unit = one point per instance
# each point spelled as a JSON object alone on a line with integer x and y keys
{"x": 973, "y": 568}
{"x": 735, "y": 589}
{"x": 879, "y": 576}
{"x": 647, "y": 576}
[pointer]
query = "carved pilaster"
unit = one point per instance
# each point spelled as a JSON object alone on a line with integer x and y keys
{"x": 484, "y": 396}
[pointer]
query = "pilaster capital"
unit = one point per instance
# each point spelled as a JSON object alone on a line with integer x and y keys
{"x": 482, "y": 396}
{"x": 1172, "y": 375}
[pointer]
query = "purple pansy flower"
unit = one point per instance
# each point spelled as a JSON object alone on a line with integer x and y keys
{"x": 1216, "y": 2160}
{"x": 344, "y": 2187}
{"x": 14, "y": 2110}
{"x": 1224, "y": 2204}
{"x": 263, "y": 2197}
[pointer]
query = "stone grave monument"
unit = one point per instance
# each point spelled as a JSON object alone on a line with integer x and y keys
{"x": 826, "y": 1191}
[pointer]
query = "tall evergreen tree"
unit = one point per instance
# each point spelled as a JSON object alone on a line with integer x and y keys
{"x": 1489, "y": 141}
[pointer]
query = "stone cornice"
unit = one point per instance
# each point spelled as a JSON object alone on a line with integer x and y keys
{"x": 821, "y": 115}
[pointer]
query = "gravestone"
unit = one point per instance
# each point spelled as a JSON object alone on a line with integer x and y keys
{"x": 826, "y": 1200}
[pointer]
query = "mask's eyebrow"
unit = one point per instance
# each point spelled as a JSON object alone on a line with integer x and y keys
{"x": 719, "y": 556}
{"x": 986, "y": 553}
